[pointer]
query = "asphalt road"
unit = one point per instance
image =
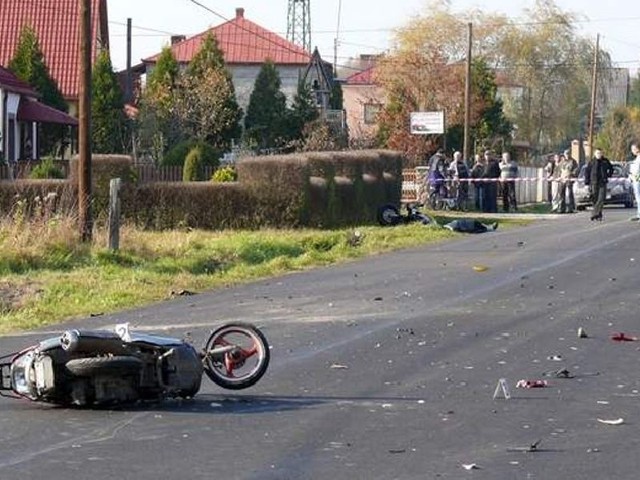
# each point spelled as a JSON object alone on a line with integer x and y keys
{"x": 385, "y": 368}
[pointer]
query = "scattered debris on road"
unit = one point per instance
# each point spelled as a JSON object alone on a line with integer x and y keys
{"x": 532, "y": 384}
{"x": 617, "y": 421}
{"x": 530, "y": 449}
{"x": 582, "y": 333}
{"x": 470, "y": 466}
{"x": 480, "y": 268}
{"x": 621, "y": 337}
{"x": 337, "y": 366}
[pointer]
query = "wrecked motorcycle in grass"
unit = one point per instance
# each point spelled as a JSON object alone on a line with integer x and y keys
{"x": 104, "y": 367}
{"x": 389, "y": 215}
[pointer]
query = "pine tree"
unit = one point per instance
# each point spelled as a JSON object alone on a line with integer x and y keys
{"x": 303, "y": 111}
{"x": 265, "y": 122}
{"x": 158, "y": 124}
{"x": 29, "y": 66}
{"x": 107, "y": 108}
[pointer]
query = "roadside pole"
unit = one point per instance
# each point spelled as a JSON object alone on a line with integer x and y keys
{"x": 85, "y": 220}
{"x": 466, "y": 155}
{"x": 594, "y": 88}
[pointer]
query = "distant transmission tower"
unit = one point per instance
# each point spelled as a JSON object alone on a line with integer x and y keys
{"x": 299, "y": 23}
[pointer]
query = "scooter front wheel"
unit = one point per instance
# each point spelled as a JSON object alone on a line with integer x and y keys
{"x": 236, "y": 356}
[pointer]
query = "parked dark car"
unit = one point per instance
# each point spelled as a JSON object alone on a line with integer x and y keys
{"x": 619, "y": 188}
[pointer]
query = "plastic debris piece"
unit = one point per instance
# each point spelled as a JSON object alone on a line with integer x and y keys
{"x": 582, "y": 333}
{"x": 480, "y": 268}
{"x": 531, "y": 384}
{"x": 337, "y": 366}
{"x": 621, "y": 337}
{"x": 531, "y": 448}
{"x": 617, "y": 421}
{"x": 470, "y": 466}
{"x": 555, "y": 358}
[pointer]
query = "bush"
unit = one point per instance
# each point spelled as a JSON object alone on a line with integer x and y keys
{"x": 225, "y": 174}
{"x": 46, "y": 169}
{"x": 177, "y": 155}
{"x": 192, "y": 171}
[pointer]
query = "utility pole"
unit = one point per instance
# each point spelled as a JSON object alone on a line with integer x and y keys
{"x": 129, "y": 86}
{"x": 466, "y": 155}
{"x": 85, "y": 219}
{"x": 594, "y": 89}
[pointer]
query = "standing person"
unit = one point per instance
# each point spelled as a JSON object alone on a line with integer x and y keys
{"x": 508, "y": 175}
{"x": 548, "y": 170}
{"x": 568, "y": 172}
{"x": 478, "y": 187}
{"x": 555, "y": 184}
{"x": 634, "y": 175}
{"x": 596, "y": 175}
{"x": 460, "y": 174}
{"x": 491, "y": 173}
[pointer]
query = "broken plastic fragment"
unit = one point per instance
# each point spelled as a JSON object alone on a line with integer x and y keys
{"x": 470, "y": 466}
{"x": 337, "y": 366}
{"x": 480, "y": 268}
{"x": 621, "y": 337}
{"x": 617, "y": 421}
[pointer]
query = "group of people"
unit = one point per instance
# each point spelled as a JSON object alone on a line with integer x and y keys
{"x": 561, "y": 171}
{"x": 488, "y": 176}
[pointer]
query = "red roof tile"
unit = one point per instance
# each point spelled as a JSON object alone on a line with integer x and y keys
{"x": 11, "y": 83}
{"x": 244, "y": 42}
{"x": 365, "y": 77}
{"x": 56, "y": 25}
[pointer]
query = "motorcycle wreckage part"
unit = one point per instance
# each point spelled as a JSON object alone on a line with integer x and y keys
{"x": 116, "y": 365}
{"x": 236, "y": 356}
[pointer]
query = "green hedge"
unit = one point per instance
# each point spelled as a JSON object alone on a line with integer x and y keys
{"x": 326, "y": 189}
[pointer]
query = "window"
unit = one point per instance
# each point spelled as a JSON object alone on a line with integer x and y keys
{"x": 371, "y": 111}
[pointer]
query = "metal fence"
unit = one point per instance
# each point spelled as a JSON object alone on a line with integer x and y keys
{"x": 144, "y": 173}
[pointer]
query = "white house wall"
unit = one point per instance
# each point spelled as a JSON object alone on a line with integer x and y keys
{"x": 13, "y": 101}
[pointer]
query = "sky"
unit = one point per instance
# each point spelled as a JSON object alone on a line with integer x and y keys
{"x": 365, "y": 26}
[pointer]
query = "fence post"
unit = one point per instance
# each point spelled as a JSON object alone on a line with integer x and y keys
{"x": 114, "y": 213}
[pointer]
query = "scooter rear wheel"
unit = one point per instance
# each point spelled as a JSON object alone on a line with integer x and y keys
{"x": 242, "y": 366}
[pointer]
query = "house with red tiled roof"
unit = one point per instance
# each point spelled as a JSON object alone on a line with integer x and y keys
{"x": 20, "y": 114}
{"x": 56, "y": 25}
{"x": 246, "y": 46}
{"x": 362, "y": 100}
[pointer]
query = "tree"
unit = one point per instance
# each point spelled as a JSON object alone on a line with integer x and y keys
{"x": 265, "y": 122}
{"x": 543, "y": 63}
{"x": 303, "y": 111}
{"x": 634, "y": 92}
{"x": 29, "y": 66}
{"x": 108, "y": 126}
{"x": 206, "y": 105}
{"x": 621, "y": 128}
{"x": 158, "y": 123}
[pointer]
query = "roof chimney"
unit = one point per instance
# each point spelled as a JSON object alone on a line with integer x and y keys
{"x": 239, "y": 12}
{"x": 177, "y": 39}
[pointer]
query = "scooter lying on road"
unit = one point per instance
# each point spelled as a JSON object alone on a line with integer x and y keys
{"x": 104, "y": 367}
{"x": 389, "y": 215}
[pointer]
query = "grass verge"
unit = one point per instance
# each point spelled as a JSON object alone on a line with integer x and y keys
{"x": 47, "y": 276}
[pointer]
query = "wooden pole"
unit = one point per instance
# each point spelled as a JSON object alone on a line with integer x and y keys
{"x": 466, "y": 154}
{"x": 85, "y": 220}
{"x": 594, "y": 89}
{"x": 129, "y": 86}
{"x": 114, "y": 213}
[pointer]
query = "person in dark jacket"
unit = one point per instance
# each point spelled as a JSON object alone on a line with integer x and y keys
{"x": 596, "y": 176}
{"x": 491, "y": 172}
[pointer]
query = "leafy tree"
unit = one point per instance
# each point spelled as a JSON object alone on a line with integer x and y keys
{"x": 621, "y": 128}
{"x": 29, "y": 66}
{"x": 107, "y": 108}
{"x": 206, "y": 103}
{"x": 265, "y": 122}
